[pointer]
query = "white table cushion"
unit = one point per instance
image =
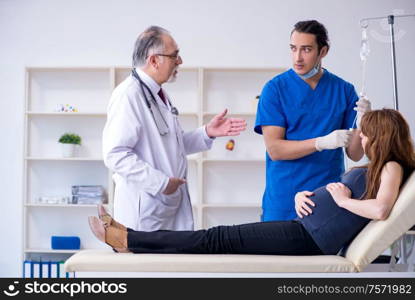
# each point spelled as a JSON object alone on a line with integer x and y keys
{"x": 109, "y": 261}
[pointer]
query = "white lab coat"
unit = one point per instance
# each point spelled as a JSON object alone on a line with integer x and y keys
{"x": 142, "y": 160}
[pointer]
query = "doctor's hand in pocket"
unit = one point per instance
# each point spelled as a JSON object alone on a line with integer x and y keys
{"x": 303, "y": 203}
{"x": 173, "y": 185}
{"x": 220, "y": 125}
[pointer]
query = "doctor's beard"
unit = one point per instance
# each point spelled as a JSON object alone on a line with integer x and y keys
{"x": 173, "y": 75}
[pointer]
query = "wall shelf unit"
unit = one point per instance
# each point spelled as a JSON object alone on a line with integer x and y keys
{"x": 225, "y": 186}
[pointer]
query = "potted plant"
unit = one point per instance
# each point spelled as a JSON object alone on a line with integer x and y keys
{"x": 69, "y": 141}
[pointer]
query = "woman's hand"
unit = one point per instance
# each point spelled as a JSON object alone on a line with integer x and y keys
{"x": 302, "y": 203}
{"x": 339, "y": 192}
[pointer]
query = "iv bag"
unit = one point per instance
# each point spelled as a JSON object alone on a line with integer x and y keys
{"x": 364, "y": 46}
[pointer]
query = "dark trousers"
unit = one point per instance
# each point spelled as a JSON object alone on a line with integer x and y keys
{"x": 276, "y": 237}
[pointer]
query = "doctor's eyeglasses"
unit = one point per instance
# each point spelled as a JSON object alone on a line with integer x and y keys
{"x": 174, "y": 56}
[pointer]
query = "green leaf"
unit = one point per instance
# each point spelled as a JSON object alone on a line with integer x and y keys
{"x": 70, "y": 138}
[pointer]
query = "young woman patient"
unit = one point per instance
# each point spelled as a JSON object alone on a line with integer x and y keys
{"x": 328, "y": 218}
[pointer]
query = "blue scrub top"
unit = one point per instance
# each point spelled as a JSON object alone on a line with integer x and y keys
{"x": 288, "y": 101}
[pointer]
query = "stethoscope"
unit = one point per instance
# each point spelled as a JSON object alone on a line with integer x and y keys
{"x": 161, "y": 123}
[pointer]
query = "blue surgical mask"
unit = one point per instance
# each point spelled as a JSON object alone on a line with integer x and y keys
{"x": 311, "y": 73}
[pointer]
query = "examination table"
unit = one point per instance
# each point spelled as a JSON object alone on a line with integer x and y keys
{"x": 376, "y": 237}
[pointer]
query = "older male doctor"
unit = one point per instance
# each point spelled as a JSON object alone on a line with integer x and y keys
{"x": 144, "y": 145}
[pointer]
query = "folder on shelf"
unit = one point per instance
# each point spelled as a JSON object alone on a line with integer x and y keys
{"x": 45, "y": 269}
{"x": 36, "y": 270}
{"x": 53, "y": 270}
{"x": 61, "y": 273}
{"x": 27, "y": 269}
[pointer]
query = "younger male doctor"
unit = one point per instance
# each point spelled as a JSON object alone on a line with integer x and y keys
{"x": 144, "y": 145}
{"x": 304, "y": 115}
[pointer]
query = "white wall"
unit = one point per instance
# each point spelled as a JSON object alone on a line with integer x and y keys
{"x": 210, "y": 33}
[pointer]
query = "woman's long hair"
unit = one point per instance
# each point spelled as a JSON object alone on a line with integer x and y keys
{"x": 388, "y": 139}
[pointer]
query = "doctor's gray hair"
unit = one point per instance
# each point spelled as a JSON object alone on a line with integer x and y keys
{"x": 148, "y": 43}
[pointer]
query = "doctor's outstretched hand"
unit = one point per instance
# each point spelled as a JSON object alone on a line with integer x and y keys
{"x": 222, "y": 126}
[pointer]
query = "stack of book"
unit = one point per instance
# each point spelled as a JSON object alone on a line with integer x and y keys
{"x": 88, "y": 194}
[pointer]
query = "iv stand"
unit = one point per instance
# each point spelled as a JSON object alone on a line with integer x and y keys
{"x": 391, "y": 21}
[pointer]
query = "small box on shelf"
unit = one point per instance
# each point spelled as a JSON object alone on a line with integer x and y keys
{"x": 88, "y": 194}
{"x": 53, "y": 200}
{"x": 65, "y": 242}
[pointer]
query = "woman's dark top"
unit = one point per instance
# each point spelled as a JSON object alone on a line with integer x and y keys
{"x": 331, "y": 226}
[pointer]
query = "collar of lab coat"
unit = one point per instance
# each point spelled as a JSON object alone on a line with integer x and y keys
{"x": 150, "y": 82}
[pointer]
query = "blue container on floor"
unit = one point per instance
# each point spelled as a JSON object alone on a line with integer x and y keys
{"x": 65, "y": 242}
